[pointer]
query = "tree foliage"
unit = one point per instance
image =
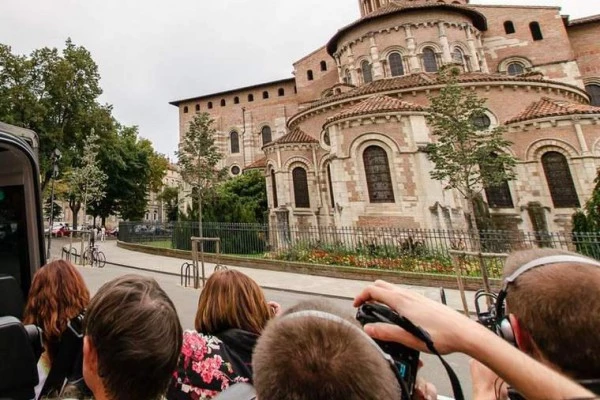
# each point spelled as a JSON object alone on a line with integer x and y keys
{"x": 170, "y": 198}
{"x": 86, "y": 182}
{"x": 465, "y": 158}
{"x": 199, "y": 158}
{"x": 55, "y": 94}
{"x": 242, "y": 199}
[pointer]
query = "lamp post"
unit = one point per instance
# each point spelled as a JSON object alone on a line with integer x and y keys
{"x": 56, "y": 155}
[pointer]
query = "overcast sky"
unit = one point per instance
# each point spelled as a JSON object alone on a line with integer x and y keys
{"x": 153, "y": 52}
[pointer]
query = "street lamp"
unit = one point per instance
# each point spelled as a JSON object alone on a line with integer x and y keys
{"x": 55, "y": 157}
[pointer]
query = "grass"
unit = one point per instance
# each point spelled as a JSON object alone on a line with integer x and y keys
{"x": 161, "y": 244}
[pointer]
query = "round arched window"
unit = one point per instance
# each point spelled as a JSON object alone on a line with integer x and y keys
{"x": 235, "y": 170}
{"x": 481, "y": 122}
{"x": 515, "y": 68}
{"x": 326, "y": 138}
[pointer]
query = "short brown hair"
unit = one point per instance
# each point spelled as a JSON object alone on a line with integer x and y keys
{"x": 559, "y": 306}
{"x": 313, "y": 358}
{"x": 57, "y": 295}
{"x": 231, "y": 300}
{"x": 134, "y": 328}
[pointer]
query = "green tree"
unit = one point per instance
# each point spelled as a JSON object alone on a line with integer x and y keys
{"x": 55, "y": 94}
{"x": 198, "y": 160}
{"x": 465, "y": 157}
{"x": 586, "y": 225}
{"x": 242, "y": 199}
{"x": 170, "y": 198}
{"x": 86, "y": 182}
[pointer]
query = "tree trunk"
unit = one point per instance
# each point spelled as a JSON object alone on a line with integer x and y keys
{"x": 473, "y": 229}
{"x": 75, "y": 206}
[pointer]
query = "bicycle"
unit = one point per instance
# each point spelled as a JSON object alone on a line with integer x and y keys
{"x": 94, "y": 257}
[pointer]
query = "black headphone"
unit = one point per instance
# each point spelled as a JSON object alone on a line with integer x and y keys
{"x": 503, "y": 327}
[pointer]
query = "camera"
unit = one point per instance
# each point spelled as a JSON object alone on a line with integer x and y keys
{"x": 405, "y": 359}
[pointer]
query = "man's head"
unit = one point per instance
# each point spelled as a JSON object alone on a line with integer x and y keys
{"x": 555, "y": 312}
{"x": 309, "y": 357}
{"x": 132, "y": 340}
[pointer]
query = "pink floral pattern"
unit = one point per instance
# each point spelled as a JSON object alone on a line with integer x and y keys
{"x": 201, "y": 373}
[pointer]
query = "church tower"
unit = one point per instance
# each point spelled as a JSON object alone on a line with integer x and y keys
{"x": 369, "y": 6}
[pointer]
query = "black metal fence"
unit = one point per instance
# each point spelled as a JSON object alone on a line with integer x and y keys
{"x": 383, "y": 248}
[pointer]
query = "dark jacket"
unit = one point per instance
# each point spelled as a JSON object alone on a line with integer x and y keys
{"x": 209, "y": 364}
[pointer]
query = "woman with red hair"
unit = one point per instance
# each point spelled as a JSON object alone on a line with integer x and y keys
{"x": 58, "y": 294}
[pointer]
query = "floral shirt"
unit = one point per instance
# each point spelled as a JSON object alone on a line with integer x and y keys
{"x": 209, "y": 364}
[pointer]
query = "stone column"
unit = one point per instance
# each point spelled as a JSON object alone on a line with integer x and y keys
{"x": 580, "y": 138}
{"x": 446, "y": 55}
{"x": 413, "y": 61}
{"x": 352, "y": 66}
{"x": 377, "y": 67}
{"x": 472, "y": 50}
{"x": 484, "y": 66}
{"x": 338, "y": 62}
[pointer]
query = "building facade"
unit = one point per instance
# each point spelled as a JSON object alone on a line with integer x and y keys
{"x": 342, "y": 142}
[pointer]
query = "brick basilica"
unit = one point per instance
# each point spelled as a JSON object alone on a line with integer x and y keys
{"x": 341, "y": 142}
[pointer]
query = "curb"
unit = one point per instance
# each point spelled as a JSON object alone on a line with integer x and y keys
{"x": 329, "y": 296}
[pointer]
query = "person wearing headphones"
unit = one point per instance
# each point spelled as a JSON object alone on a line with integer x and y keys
{"x": 549, "y": 308}
{"x": 453, "y": 332}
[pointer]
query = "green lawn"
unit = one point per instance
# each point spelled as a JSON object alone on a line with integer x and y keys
{"x": 161, "y": 244}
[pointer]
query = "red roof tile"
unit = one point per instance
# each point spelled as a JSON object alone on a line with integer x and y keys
{"x": 258, "y": 164}
{"x": 295, "y": 136}
{"x": 419, "y": 80}
{"x": 375, "y": 104}
{"x": 548, "y": 107}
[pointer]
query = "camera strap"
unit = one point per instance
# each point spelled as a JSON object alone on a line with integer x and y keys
{"x": 424, "y": 336}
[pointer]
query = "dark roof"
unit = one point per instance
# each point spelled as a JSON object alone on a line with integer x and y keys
{"x": 586, "y": 20}
{"x": 258, "y": 164}
{"x": 295, "y": 136}
{"x": 419, "y": 80}
{"x": 178, "y": 102}
{"x": 547, "y": 107}
{"x": 375, "y": 104}
{"x": 479, "y": 20}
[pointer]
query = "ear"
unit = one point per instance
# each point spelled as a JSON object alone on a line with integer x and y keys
{"x": 522, "y": 336}
{"x": 90, "y": 356}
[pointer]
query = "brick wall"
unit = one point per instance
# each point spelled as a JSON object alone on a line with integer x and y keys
{"x": 586, "y": 46}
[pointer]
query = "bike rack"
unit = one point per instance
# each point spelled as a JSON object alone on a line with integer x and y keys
{"x": 186, "y": 276}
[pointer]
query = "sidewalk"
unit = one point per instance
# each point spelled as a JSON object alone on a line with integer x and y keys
{"x": 273, "y": 280}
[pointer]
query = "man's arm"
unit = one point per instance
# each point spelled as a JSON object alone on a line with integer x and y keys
{"x": 453, "y": 332}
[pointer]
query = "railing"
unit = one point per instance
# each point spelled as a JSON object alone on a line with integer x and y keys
{"x": 415, "y": 250}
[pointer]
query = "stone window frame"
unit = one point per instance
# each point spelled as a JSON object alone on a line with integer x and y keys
{"x": 231, "y": 142}
{"x": 360, "y": 62}
{"x": 593, "y": 81}
{"x": 325, "y": 133}
{"x": 310, "y": 76}
{"x": 467, "y": 60}
{"x": 250, "y": 97}
{"x": 492, "y": 193}
{"x": 509, "y": 27}
{"x": 261, "y": 127}
{"x": 231, "y": 169}
{"x": 437, "y": 51}
{"x": 323, "y": 65}
{"x": 357, "y": 148}
{"x": 347, "y": 76}
{"x": 236, "y": 100}
{"x": 536, "y": 31}
{"x": 198, "y": 107}
{"x": 299, "y": 162}
{"x": 385, "y": 61}
{"x": 329, "y": 184}
{"x": 503, "y": 66}
{"x": 185, "y": 109}
{"x": 573, "y": 177}
{"x": 537, "y": 149}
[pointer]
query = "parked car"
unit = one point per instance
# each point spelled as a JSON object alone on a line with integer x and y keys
{"x": 62, "y": 231}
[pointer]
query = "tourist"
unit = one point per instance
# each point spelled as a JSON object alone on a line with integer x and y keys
{"x": 58, "y": 295}
{"x": 132, "y": 340}
{"x": 552, "y": 314}
{"x": 313, "y": 353}
{"x": 453, "y": 332}
{"x": 232, "y": 313}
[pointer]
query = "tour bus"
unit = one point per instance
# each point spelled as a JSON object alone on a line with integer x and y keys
{"x": 21, "y": 255}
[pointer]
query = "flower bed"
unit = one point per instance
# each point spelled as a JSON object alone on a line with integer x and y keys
{"x": 415, "y": 261}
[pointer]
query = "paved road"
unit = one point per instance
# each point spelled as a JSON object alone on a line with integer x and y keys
{"x": 186, "y": 299}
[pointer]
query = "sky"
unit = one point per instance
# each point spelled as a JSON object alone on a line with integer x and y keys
{"x": 156, "y": 51}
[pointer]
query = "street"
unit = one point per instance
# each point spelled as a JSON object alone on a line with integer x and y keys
{"x": 186, "y": 299}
